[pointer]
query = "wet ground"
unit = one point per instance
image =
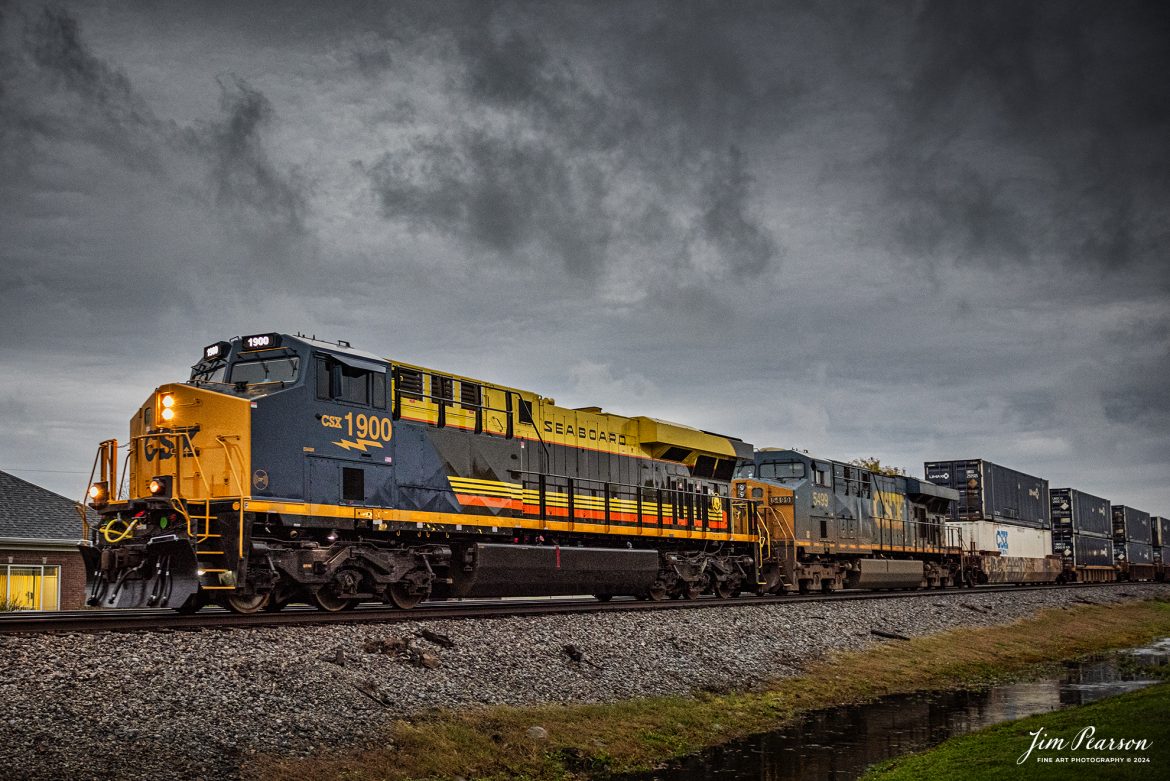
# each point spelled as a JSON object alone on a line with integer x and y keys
{"x": 840, "y": 743}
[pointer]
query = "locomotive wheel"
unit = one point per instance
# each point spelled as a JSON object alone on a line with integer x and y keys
{"x": 239, "y": 603}
{"x": 657, "y": 592}
{"x": 691, "y": 591}
{"x": 603, "y": 597}
{"x": 727, "y": 589}
{"x": 401, "y": 598}
{"x": 326, "y": 600}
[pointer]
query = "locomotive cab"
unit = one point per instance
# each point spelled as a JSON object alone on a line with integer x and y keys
{"x": 174, "y": 524}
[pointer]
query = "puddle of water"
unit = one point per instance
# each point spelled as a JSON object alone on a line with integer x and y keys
{"x": 840, "y": 743}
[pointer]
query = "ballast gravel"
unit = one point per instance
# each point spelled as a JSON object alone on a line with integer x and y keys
{"x": 194, "y": 704}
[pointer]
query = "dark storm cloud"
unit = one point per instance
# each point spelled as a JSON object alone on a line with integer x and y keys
{"x": 55, "y": 44}
{"x": 1035, "y": 131}
{"x": 746, "y": 247}
{"x": 552, "y": 162}
{"x": 1139, "y": 400}
{"x": 240, "y": 169}
{"x": 57, "y": 91}
{"x": 503, "y": 195}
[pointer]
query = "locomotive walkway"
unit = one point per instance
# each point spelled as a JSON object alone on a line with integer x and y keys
{"x": 167, "y": 620}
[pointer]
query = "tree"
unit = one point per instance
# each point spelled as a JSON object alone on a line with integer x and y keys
{"x": 875, "y": 465}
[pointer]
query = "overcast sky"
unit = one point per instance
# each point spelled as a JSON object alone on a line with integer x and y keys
{"x": 908, "y": 230}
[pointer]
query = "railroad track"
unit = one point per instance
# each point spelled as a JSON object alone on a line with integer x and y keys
{"x": 217, "y": 618}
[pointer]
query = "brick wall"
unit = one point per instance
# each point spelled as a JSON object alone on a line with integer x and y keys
{"x": 72, "y": 571}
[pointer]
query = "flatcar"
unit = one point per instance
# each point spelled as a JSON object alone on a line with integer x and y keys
{"x": 291, "y": 469}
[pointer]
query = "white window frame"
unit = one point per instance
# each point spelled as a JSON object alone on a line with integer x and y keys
{"x": 42, "y": 567}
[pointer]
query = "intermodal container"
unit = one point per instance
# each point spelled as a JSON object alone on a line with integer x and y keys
{"x": 1077, "y": 512}
{"x": 989, "y": 492}
{"x": 1133, "y": 552}
{"x": 1085, "y": 550}
{"x": 1130, "y": 525}
{"x": 1006, "y": 539}
{"x": 1160, "y": 528}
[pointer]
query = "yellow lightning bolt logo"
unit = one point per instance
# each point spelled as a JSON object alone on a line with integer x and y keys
{"x": 361, "y": 444}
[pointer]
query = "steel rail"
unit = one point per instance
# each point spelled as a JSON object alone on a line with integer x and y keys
{"x": 218, "y": 618}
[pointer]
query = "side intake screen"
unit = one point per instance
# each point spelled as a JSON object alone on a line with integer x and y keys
{"x": 410, "y": 383}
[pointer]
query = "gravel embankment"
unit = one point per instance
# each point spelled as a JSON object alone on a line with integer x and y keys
{"x": 191, "y": 705}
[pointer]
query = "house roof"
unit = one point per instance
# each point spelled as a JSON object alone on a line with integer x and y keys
{"x": 29, "y": 511}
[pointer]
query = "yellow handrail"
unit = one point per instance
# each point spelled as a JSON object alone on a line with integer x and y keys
{"x": 240, "y": 484}
{"x": 227, "y": 451}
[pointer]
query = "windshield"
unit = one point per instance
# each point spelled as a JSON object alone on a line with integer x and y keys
{"x": 746, "y": 471}
{"x": 787, "y": 470}
{"x": 282, "y": 369}
{"x": 209, "y": 371}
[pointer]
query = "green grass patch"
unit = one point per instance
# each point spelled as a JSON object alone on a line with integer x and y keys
{"x": 491, "y": 742}
{"x": 993, "y": 753}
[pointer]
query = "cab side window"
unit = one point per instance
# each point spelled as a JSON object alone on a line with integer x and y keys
{"x": 339, "y": 382}
{"x": 821, "y": 475}
{"x": 321, "y": 368}
{"x": 355, "y": 385}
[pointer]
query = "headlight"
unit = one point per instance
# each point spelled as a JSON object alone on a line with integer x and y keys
{"x": 168, "y": 413}
{"x": 98, "y": 493}
{"x": 159, "y": 486}
{"x": 168, "y": 400}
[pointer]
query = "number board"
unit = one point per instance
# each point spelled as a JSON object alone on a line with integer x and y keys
{"x": 214, "y": 352}
{"x": 260, "y": 342}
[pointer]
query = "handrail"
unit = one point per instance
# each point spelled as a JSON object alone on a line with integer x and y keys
{"x": 691, "y": 514}
{"x": 536, "y": 428}
{"x": 231, "y": 461}
{"x": 80, "y": 506}
{"x": 105, "y": 460}
{"x": 240, "y": 483}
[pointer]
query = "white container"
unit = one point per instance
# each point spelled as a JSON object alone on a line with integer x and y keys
{"x": 1005, "y": 539}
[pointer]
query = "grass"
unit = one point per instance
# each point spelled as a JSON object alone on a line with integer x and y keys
{"x": 991, "y": 754}
{"x": 583, "y": 740}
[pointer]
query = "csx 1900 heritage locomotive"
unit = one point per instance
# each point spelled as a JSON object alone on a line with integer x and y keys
{"x": 288, "y": 468}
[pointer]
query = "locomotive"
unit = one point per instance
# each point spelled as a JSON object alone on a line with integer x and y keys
{"x": 286, "y": 468}
{"x": 835, "y": 525}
